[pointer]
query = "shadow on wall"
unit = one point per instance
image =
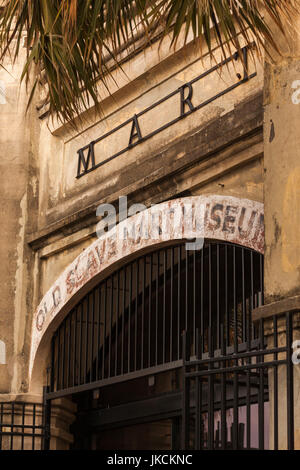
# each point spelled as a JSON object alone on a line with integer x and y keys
{"x": 2, "y": 353}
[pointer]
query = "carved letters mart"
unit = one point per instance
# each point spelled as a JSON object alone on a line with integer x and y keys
{"x": 86, "y": 155}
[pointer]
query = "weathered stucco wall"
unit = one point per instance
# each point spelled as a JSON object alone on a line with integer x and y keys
{"x": 49, "y": 216}
{"x": 216, "y": 150}
{"x": 282, "y": 173}
{"x": 148, "y": 81}
{"x": 18, "y": 189}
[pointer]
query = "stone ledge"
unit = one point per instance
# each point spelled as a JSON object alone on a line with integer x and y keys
{"x": 22, "y": 397}
{"x": 292, "y": 304}
{"x": 196, "y": 146}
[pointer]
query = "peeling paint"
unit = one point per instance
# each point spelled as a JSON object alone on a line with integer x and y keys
{"x": 19, "y": 318}
{"x": 272, "y": 132}
{"x": 2, "y": 353}
{"x": 239, "y": 221}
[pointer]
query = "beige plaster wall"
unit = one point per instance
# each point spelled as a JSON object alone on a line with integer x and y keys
{"x": 41, "y": 192}
{"x": 282, "y": 173}
{"x": 18, "y": 189}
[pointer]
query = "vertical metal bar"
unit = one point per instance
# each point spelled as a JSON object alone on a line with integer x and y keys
{"x": 156, "y": 307}
{"x": 12, "y": 426}
{"x": 235, "y": 376}
{"x": 1, "y": 421}
{"x": 69, "y": 352}
{"x": 23, "y": 426}
{"x": 261, "y": 267}
{"x": 197, "y": 395}
{"x": 86, "y": 300}
{"x": 235, "y": 411}
{"x": 129, "y": 317}
{"x": 63, "y": 355}
{"x": 178, "y": 300}
{"x": 58, "y": 359}
{"x": 104, "y": 329}
{"x": 202, "y": 298}
{"x": 117, "y": 322}
{"x": 210, "y": 394}
{"x": 53, "y": 368}
{"x": 110, "y": 323}
{"x": 80, "y": 341}
{"x": 46, "y": 420}
{"x": 290, "y": 381}
{"x": 98, "y": 336}
{"x": 261, "y": 404}
{"x": 33, "y": 425}
{"x": 218, "y": 297}
{"x": 235, "y": 300}
{"x": 185, "y": 394}
{"x": 202, "y": 437}
{"x": 143, "y": 312}
{"x": 164, "y": 306}
{"x": 252, "y": 294}
{"x": 248, "y": 372}
{"x": 209, "y": 288}
{"x": 136, "y": 315}
{"x": 195, "y": 339}
{"x": 92, "y": 334}
{"x": 275, "y": 384}
{"x": 223, "y": 393}
{"x": 244, "y": 321}
{"x": 123, "y": 320}
{"x": 227, "y": 330}
{"x": 150, "y": 310}
{"x": 186, "y": 290}
{"x": 74, "y": 317}
{"x": 248, "y": 405}
{"x": 171, "y": 303}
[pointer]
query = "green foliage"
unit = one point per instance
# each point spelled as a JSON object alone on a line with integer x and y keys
{"x": 74, "y": 44}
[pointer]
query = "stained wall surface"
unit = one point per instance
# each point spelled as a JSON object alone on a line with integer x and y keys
{"x": 49, "y": 215}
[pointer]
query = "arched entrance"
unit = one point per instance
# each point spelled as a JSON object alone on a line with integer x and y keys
{"x": 119, "y": 352}
{"x": 120, "y": 329}
{"x": 212, "y": 217}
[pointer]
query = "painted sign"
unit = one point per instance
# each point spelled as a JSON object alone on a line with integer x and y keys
{"x": 87, "y": 160}
{"x": 225, "y": 218}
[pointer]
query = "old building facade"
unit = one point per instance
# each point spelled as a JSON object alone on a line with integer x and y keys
{"x": 100, "y": 337}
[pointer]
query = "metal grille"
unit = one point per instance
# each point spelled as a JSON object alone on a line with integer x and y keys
{"x": 132, "y": 322}
{"x": 241, "y": 398}
{"x": 21, "y": 426}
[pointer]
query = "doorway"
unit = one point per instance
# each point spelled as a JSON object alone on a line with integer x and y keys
{"x": 120, "y": 353}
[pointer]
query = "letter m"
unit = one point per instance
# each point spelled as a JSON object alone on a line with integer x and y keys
{"x": 84, "y": 162}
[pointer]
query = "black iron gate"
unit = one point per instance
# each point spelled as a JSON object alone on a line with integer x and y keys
{"x": 24, "y": 426}
{"x": 131, "y": 324}
{"x": 241, "y": 396}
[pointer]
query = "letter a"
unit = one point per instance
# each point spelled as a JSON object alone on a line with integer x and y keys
{"x": 135, "y": 130}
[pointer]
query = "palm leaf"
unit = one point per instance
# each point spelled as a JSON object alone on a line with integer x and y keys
{"x": 73, "y": 45}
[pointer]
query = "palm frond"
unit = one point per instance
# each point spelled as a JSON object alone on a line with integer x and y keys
{"x": 69, "y": 42}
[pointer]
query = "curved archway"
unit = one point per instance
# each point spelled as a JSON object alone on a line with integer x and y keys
{"x": 228, "y": 219}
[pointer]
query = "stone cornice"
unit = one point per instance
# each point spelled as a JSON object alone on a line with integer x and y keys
{"x": 239, "y": 125}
